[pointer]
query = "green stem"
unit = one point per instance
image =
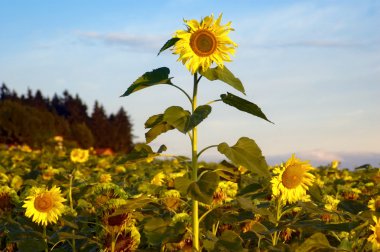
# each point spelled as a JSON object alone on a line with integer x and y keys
{"x": 45, "y": 238}
{"x": 278, "y": 217}
{"x": 208, "y": 147}
{"x": 72, "y": 205}
{"x": 113, "y": 241}
{"x": 211, "y": 102}
{"x": 205, "y": 214}
{"x": 183, "y": 91}
{"x": 194, "y": 166}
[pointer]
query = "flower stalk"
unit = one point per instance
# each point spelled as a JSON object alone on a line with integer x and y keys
{"x": 194, "y": 166}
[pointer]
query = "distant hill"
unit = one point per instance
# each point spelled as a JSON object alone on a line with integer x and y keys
{"x": 34, "y": 119}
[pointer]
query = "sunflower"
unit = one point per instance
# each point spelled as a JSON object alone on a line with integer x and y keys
{"x": 43, "y": 205}
{"x": 374, "y": 204}
{"x": 203, "y": 43}
{"x": 8, "y": 199}
{"x": 375, "y": 237}
{"x": 292, "y": 180}
{"x": 79, "y": 155}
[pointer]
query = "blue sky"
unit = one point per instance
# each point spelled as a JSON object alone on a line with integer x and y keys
{"x": 312, "y": 66}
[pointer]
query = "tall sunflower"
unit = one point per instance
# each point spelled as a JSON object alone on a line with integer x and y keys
{"x": 43, "y": 205}
{"x": 203, "y": 43}
{"x": 375, "y": 237}
{"x": 292, "y": 180}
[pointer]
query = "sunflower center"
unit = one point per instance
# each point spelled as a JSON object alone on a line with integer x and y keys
{"x": 203, "y": 43}
{"x": 292, "y": 177}
{"x": 377, "y": 204}
{"x": 43, "y": 203}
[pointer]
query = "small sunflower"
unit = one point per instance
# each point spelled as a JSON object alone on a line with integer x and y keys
{"x": 375, "y": 237}
{"x": 105, "y": 178}
{"x": 292, "y": 180}
{"x": 79, "y": 155}
{"x": 374, "y": 204}
{"x": 331, "y": 203}
{"x": 158, "y": 179}
{"x": 203, "y": 43}
{"x": 43, "y": 205}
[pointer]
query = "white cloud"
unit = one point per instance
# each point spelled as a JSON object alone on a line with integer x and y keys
{"x": 132, "y": 41}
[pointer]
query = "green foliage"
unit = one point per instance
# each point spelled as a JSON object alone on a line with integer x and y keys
{"x": 246, "y": 153}
{"x": 84, "y": 135}
{"x": 21, "y": 124}
{"x": 148, "y": 79}
{"x": 243, "y": 105}
{"x": 200, "y": 113}
{"x": 177, "y": 117}
{"x": 203, "y": 189}
{"x": 171, "y": 42}
{"x": 225, "y": 75}
{"x": 317, "y": 242}
{"x": 34, "y": 120}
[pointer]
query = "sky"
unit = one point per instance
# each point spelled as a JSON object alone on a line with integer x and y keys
{"x": 312, "y": 66}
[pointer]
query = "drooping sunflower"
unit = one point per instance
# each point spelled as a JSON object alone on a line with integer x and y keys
{"x": 8, "y": 198}
{"x": 292, "y": 181}
{"x": 375, "y": 237}
{"x": 44, "y": 206}
{"x": 203, "y": 43}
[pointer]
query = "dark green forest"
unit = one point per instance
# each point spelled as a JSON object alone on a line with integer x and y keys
{"x": 34, "y": 120}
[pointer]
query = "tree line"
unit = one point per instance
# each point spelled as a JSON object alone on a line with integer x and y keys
{"x": 34, "y": 119}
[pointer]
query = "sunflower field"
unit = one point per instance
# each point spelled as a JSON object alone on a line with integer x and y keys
{"x": 56, "y": 199}
{"x": 60, "y": 198}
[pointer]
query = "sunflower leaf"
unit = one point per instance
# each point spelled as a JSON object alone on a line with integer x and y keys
{"x": 157, "y": 130}
{"x": 203, "y": 189}
{"x": 199, "y": 114}
{"x": 148, "y": 79}
{"x": 246, "y": 153}
{"x": 243, "y": 105}
{"x": 177, "y": 117}
{"x": 171, "y": 42}
{"x": 225, "y": 75}
{"x": 316, "y": 242}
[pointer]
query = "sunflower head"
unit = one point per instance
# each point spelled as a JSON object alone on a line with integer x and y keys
{"x": 204, "y": 43}
{"x": 292, "y": 180}
{"x": 79, "y": 155}
{"x": 43, "y": 205}
{"x": 375, "y": 236}
{"x": 374, "y": 204}
{"x": 8, "y": 198}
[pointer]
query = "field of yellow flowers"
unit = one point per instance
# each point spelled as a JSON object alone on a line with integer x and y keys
{"x": 59, "y": 199}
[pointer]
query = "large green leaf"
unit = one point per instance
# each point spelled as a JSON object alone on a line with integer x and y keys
{"x": 352, "y": 206}
{"x": 182, "y": 184}
{"x": 177, "y": 117}
{"x": 199, "y": 114}
{"x": 155, "y": 230}
{"x": 171, "y": 42}
{"x": 225, "y": 75}
{"x": 246, "y": 153}
{"x": 243, "y": 105}
{"x": 229, "y": 241}
{"x": 148, "y": 79}
{"x": 157, "y": 130}
{"x": 157, "y": 126}
{"x": 316, "y": 242}
{"x": 322, "y": 226}
{"x": 203, "y": 189}
{"x": 154, "y": 120}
